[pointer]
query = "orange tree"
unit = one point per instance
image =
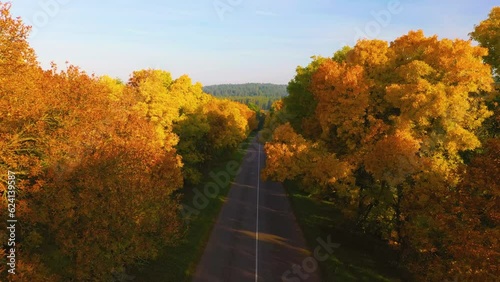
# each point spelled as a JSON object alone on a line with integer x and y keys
{"x": 94, "y": 193}
{"x": 390, "y": 121}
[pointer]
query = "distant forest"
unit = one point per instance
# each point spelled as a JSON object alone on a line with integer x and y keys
{"x": 260, "y": 94}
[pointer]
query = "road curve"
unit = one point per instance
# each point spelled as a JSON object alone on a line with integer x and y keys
{"x": 246, "y": 247}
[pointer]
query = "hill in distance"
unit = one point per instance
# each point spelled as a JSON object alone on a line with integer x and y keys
{"x": 260, "y": 94}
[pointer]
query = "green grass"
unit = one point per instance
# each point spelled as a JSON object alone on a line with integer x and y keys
{"x": 178, "y": 263}
{"x": 358, "y": 258}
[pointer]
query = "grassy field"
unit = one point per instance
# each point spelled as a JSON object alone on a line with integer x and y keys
{"x": 358, "y": 258}
{"x": 178, "y": 263}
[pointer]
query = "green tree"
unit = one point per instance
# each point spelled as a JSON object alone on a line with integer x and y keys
{"x": 487, "y": 33}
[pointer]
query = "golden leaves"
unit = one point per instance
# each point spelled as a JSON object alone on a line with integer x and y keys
{"x": 369, "y": 54}
{"x": 342, "y": 95}
{"x": 386, "y": 140}
{"x": 290, "y": 156}
{"x": 97, "y": 160}
{"x": 394, "y": 158}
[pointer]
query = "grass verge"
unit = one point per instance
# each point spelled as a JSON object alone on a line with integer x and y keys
{"x": 178, "y": 263}
{"x": 359, "y": 256}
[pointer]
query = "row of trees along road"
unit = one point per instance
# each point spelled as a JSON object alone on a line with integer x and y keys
{"x": 403, "y": 138}
{"x": 99, "y": 163}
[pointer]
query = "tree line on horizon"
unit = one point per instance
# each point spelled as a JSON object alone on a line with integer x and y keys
{"x": 256, "y": 95}
{"x": 403, "y": 138}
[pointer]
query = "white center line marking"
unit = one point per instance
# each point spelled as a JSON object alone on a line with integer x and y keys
{"x": 257, "y": 227}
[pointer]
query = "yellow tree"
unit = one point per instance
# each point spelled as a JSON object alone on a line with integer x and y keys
{"x": 291, "y": 157}
{"x": 115, "y": 86}
{"x": 151, "y": 89}
{"x": 207, "y": 127}
{"x": 188, "y": 96}
{"x": 436, "y": 98}
{"x": 227, "y": 126}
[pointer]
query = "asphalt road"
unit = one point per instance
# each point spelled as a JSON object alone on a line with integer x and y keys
{"x": 256, "y": 236}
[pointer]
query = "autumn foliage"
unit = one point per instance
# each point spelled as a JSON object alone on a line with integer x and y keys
{"x": 382, "y": 130}
{"x": 99, "y": 163}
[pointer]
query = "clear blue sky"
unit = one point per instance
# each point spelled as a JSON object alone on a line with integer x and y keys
{"x": 227, "y": 41}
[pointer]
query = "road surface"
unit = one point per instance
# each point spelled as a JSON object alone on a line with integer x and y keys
{"x": 256, "y": 236}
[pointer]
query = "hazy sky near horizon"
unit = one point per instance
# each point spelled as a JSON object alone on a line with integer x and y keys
{"x": 227, "y": 41}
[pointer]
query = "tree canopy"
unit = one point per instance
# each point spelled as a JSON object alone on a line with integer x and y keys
{"x": 381, "y": 129}
{"x": 100, "y": 164}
